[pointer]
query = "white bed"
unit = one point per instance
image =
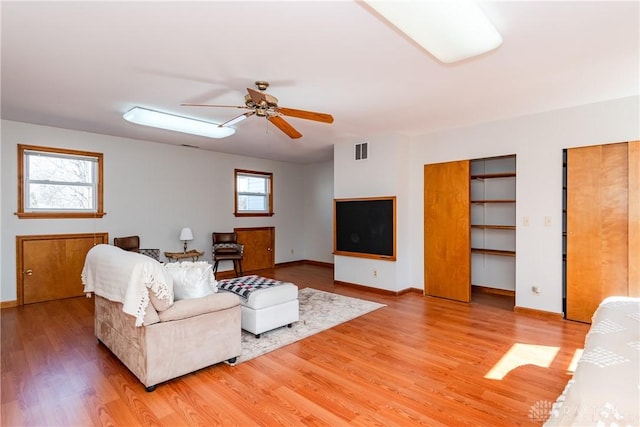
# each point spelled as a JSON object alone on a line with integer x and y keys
{"x": 605, "y": 388}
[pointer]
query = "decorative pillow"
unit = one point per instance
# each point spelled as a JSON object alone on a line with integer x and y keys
{"x": 192, "y": 279}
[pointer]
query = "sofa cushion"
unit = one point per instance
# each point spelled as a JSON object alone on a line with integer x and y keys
{"x": 192, "y": 279}
{"x": 184, "y": 309}
{"x": 151, "y": 315}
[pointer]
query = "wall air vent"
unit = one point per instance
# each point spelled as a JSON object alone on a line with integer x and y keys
{"x": 362, "y": 151}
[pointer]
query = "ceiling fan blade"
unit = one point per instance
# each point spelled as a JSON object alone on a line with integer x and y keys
{"x": 308, "y": 115}
{"x": 284, "y": 126}
{"x": 211, "y": 105}
{"x": 238, "y": 119}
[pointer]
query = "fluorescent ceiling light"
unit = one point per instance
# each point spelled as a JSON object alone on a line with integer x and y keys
{"x": 450, "y": 30}
{"x": 142, "y": 116}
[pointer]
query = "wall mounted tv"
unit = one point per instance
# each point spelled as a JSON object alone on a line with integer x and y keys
{"x": 365, "y": 227}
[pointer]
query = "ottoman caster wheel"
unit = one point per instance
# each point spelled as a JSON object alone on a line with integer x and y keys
{"x": 290, "y": 325}
{"x": 257, "y": 336}
{"x": 150, "y": 389}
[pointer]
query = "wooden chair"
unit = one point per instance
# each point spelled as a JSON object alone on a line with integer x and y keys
{"x": 226, "y": 248}
{"x": 132, "y": 244}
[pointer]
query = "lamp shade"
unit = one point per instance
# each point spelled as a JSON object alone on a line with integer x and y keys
{"x": 186, "y": 234}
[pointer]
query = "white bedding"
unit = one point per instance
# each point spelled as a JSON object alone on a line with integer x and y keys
{"x": 605, "y": 389}
{"x": 125, "y": 277}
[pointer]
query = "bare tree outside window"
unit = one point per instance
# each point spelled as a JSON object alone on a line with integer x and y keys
{"x": 59, "y": 183}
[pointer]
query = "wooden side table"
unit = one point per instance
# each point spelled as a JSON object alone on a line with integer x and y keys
{"x": 176, "y": 256}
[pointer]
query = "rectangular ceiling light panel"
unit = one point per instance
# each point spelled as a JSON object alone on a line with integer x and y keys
{"x": 143, "y": 116}
{"x": 450, "y": 30}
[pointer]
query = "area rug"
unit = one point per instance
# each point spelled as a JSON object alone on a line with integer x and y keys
{"x": 319, "y": 311}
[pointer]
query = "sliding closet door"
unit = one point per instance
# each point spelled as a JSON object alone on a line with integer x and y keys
{"x": 447, "y": 271}
{"x": 597, "y": 227}
{"x": 634, "y": 219}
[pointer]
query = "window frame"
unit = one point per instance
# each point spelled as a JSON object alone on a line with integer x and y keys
{"x": 22, "y": 177}
{"x": 236, "y": 193}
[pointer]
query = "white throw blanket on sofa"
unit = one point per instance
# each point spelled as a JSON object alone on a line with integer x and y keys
{"x": 605, "y": 388}
{"x": 125, "y": 277}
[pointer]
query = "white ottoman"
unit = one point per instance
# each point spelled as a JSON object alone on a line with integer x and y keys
{"x": 268, "y": 308}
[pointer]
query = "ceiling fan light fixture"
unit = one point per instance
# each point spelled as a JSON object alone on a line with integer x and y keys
{"x": 146, "y": 117}
{"x": 450, "y": 30}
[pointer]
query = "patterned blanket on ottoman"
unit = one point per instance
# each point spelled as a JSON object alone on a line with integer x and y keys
{"x": 243, "y": 286}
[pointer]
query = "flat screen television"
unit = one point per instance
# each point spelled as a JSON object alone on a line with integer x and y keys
{"x": 365, "y": 227}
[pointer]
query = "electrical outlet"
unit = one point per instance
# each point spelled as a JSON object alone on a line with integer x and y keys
{"x": 547, "y": 221}
{"x": 375, "y": 273}
{"x": 536, "y": 289}
{"x": 291, "y": 251}
{"x": 525, "y": 221}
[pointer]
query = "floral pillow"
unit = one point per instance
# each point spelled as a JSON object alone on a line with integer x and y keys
{"x": 192, "y": 279}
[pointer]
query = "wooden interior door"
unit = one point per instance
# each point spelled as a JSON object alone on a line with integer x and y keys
{"x": 49, "y": 266}
{"x": 597, "y": 227}
{"x": 634, "y": 218}
{"x": 259, "y": 243}
{"x": 447, "y": 246}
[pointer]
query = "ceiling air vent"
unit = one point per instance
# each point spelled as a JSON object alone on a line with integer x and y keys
{"x": 362, "y": 151}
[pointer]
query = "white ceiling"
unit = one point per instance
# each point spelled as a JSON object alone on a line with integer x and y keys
{"x": 81, "y": 65}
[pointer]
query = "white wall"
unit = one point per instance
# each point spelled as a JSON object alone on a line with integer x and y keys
{"x": 318, "y": 212}
{"x": 153, "y": 190}
{"x": 537, "y": 141}
{"x": 384, "y": 173}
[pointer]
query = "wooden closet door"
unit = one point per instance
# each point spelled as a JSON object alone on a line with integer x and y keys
{"x": 49, "y": 266}
{"x": 258, "y": 247}
{"x": 597, "y": 227}
{"x": 447, "y": 249}
{"x": 634, "y": 219}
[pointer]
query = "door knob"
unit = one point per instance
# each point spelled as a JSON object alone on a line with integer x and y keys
{"x": 29, "y": 272}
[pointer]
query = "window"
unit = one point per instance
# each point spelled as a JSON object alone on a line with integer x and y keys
{"x": 254, "y": 193}
{"x": 59, "y": 183}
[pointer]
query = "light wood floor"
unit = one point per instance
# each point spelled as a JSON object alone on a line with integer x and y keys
{"x": 418, "y": 361}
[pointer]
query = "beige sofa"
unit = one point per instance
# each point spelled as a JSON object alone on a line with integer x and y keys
{"x": 158, "y": 339}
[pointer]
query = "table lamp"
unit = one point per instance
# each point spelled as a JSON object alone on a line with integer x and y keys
{"x": 186, "y": 235}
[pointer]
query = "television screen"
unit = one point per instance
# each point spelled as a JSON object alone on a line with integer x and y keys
{"x": 365, "y": 227}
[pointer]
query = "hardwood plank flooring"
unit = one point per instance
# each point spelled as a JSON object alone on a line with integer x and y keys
{"x": 417, "y": 361}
